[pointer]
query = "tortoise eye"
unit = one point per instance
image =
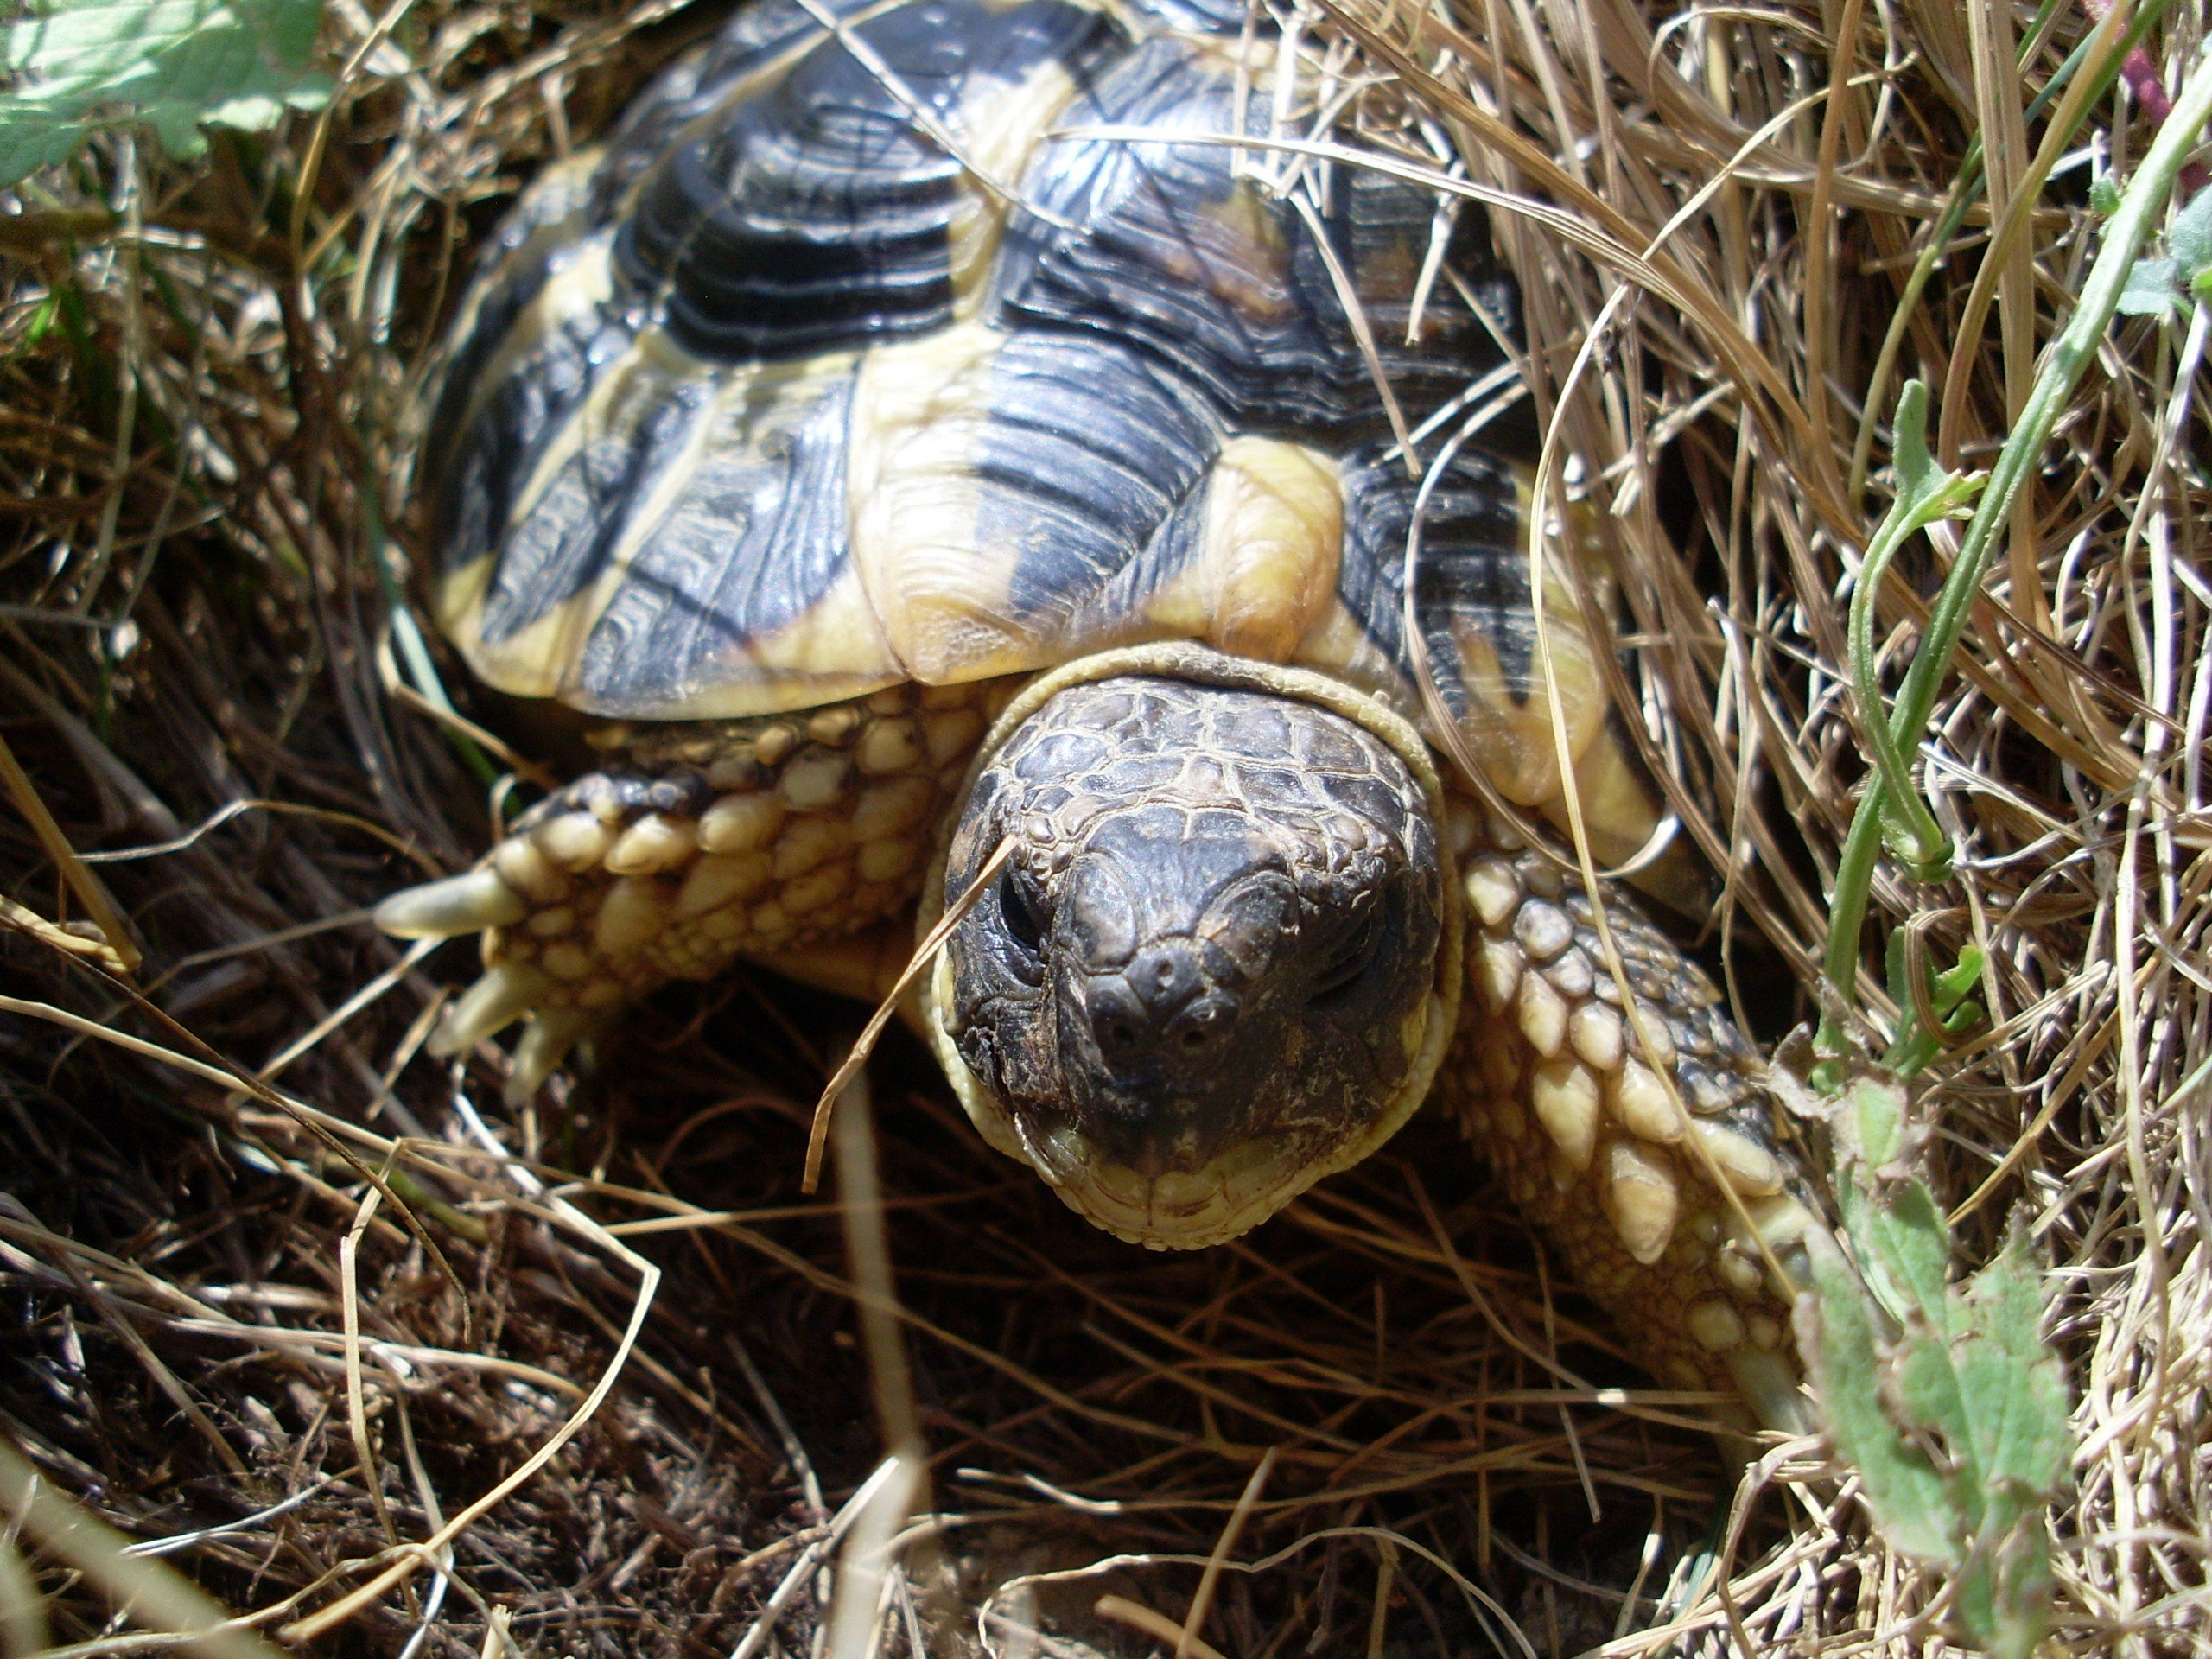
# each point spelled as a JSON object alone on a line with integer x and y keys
{"x": 1023, "y": 924}
{"x": 1353, "y": 956}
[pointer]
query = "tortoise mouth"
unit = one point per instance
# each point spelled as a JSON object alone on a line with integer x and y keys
{"x": 1220, "y": 1199}
{"x": 1200, "y": 1196}
{"x": 1175, "y": 1209}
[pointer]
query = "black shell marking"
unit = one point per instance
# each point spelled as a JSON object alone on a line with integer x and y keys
{"x": 1472, "y": 572}
{"x": 758, "y": 42}
{"x": 541, "y": 233}
{"x": 1089, "y": 450}
{"x": 746, "y": 543}
{"x": 593, "y": 498}
{"x": 1172, "y": 252}
{"x": 818, "y": 213}
{"x": 515, "y": 415}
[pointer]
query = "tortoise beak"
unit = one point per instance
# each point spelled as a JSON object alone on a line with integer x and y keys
{"x": 1172, "y": 1209}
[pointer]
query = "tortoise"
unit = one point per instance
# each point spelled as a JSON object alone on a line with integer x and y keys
{"x": 938, "y": 464}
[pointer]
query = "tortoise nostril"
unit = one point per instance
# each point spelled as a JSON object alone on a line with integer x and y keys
{"x": 1117, "y": 1020}
{"x": 1134, "y": 1031}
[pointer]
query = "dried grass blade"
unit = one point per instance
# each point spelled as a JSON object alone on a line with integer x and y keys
{"x": 1187, "y": 1642}
{"x": 1138, "y": 1617}
{"x": 91, "y": 890}
{"x": 925, "y": 954}
{"x": 154, "y": 1593}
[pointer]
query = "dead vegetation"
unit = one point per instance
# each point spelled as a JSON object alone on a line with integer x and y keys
{"x": 385, "y": 1372}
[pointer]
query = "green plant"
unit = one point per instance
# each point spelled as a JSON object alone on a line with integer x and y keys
{"x": 2168, "y": 287}
{"x": 77, "y": 66}
{"x": 1944, "y": 1397}
{"x": 1879, "y": 819}
{"x": 1934, "y": 1006}
{"x": 1926, "y": 494}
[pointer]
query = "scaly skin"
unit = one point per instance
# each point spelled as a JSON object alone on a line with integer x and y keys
{"x": 1667, "y": 1220}
{"x": 694, "y": 846}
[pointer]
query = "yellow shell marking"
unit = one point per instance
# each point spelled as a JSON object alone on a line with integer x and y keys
{"x": 998, "y": 132}
{"x": 834, "y": 649}
{"x": 566, "y": 182}
{"x": 1274, "y": 534}
{"x": 918, "y": 413}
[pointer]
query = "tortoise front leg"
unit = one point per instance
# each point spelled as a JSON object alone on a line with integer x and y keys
{"x": 1674, "y": 1222}
{"x": 697, "y": 844}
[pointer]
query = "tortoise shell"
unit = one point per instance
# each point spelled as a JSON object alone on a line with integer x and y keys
{"x": 963, "y": 339}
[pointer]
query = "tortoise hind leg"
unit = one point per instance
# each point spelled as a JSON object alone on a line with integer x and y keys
{"x": 696, "y": 845}
{"x": 1675, "y": 1223}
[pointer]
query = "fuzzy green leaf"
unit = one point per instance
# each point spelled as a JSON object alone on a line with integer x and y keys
{"x": 2152, "y": 289}
{"x": 2019, "y": 1610}
{"x": 1870, "y": 1122}
{"x": 1926, "y": 491}
{"x": 2010, "y": 1435}
{"x": 2014, "y": 1386}
{"x": 1902, "y": 1241}
{"x": 1838, "y": 1338}
{"x": 176, "y": 64}
{"x": 1905, "y": 1247}
{"x": 2158, "y": 288}
{"x": 1945, "y": 1397}
{"x": 2189, "y": 238}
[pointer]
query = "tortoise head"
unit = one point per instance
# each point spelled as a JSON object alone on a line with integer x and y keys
{"x": 1209, "y": 972}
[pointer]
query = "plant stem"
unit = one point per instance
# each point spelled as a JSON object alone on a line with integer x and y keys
{"x": 1965, "y": 192}
{"x": 1925, "y": 494}
{"x": 2068, "y": 355}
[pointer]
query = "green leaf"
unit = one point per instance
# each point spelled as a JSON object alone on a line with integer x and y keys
{"x": 1943, "y": 1397}
{"x": 2152, "y": 289}
{"x": 1926, "y": 491}
{"x": 1953, "y": 985}
{"x": 1955, "y": 1013}
{"x": 1904, "y": 1247}
{"x": 1871, "y": 1127}
{"x": 2014, "y": 1384}
{"x": 2158, "y": 288}
{"x": 2012, "y": 1413}
{"x": 176, "y": 64}
{"x": 2189, "y": 238}
{"x": 1902, "y": 1485}
{"x": 2027, "y": 1590}
{"x": 2020, "y": 1604}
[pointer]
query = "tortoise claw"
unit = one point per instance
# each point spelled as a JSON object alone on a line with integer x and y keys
{"x": 505, "y": 993}
{"x": 545, "y": 1043}
{"x": 467, "y": 903}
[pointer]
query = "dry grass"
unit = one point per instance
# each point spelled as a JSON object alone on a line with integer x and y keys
{"x": 274, "y": 1290}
